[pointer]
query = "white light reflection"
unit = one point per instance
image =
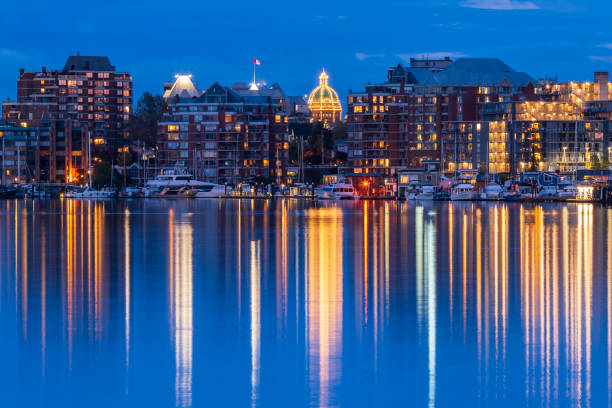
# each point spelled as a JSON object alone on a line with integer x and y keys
{"x": 181, "y": 272}
{"x": 255, "y": 280}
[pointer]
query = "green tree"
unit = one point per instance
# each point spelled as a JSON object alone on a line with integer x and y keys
{"x": 101, "y": 173}
{"x": 339, "y": 131}
{"x": 143, "y": 123}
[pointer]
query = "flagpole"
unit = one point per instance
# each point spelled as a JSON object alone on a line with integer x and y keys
{"x": 254, "y": 72}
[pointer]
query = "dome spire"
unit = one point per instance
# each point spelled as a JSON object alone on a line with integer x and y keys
{"x": 324, "y": 102}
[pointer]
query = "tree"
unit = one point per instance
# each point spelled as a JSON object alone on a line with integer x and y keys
{"x": 320, "y": 140}
{"x": 598, "y": 163}
{"x": 339, "y": 131}
{"x": 143, "y": 123}
{"x": 102, "y": 172}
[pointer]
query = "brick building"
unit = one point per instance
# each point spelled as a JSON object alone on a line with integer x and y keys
{"x": 87, "y": 90}
{"x": 225, "y": 135}
{"x": 86, "y": 97}
{"x": 54, "y": 151}
{"x": 399, "y": 123}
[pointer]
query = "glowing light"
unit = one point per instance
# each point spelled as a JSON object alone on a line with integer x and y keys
{"x": 324, "y": 102}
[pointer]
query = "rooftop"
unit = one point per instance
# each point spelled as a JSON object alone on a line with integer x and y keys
{"x": 477, "y": 72}
{"x": 84, "y": 63}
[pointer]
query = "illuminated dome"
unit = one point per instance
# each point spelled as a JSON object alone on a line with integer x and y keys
{"x": 324, "y": 102}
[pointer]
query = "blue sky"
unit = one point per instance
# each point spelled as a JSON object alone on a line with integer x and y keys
{"x": 355, "y": 40}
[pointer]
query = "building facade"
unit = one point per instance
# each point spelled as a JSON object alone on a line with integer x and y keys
{"x": 399, "y": 123}
{"x": 226, "y": 135}
{"x": 559, "y": 135}
{"x": 87, "y": 91}
{"x": 54, "y": 151}
{"x": 324, "y": 102}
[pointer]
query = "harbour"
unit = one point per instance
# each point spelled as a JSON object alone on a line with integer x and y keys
{"x": 252, "y": 302}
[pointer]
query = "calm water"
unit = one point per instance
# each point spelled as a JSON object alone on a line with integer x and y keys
{"x": 265, "y": 304}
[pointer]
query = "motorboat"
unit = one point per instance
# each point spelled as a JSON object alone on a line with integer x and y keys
{"x": 325, "y": 192}
{"x": 548, "y": 192}
{"x": 511, "y": 195}
{"x": 426, "y": 193}
{"x": 492, "y": 191}
{"x": 441, "y": 195}
{"x": 568, "y": 192}
{"x": 344, "y": 191}
{"x": 92, "y": 193}
{"x": 175, "y": 178}
{"x": 210, "y": 190}
{"x": 463, "y": 192}
{"x": 175, "y": 192}
{"x": 131, "y": 192}
{"x": 8, "y": 192}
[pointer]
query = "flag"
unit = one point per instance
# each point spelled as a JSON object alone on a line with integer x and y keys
{"x": 257, "y": 62}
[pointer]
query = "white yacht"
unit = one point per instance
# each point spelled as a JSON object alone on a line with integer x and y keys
{"x": 463, "y": 192}
{"x": 492, "y": 191}
{"x": 568, "y": 192}
{"x": 426, "y": 193}
{"x": 210, "y": 190}
{"x": 344, "y": 191}
{"x": 89, "y": 192}
{"x": 325, "y": 192}
{"x": 176, "y": 180}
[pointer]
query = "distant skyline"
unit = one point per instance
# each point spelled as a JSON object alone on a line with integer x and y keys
{"x": 356, "y": 41}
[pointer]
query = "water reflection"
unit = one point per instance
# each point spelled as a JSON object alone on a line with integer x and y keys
{"x": 181, "y": 289}
{"x": 348, "y": 304}
{"x": 324, "y": 302}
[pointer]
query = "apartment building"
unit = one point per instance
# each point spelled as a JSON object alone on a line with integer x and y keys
{"x": 54, "y": 151}
{"x": 399, "y": 123}
{"x": 88, "y": 90}
{"x": 225, "y": 135}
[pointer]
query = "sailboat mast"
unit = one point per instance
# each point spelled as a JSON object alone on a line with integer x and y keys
{"x": 90, "y": 169}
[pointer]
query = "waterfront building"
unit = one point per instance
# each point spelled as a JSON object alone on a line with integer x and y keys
{"x": 517, "y": 137}
{"x": 88, "y": 91}
{"x": 225, "y": 135}
{"x": 54, "y": 151}
{"x": 324, "y": 102}
{"x": 398, "y": 124}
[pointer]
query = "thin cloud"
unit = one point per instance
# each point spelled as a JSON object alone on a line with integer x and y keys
{"x": 432, "y": 55}
{"x": 500, "y": 5}
{"x": 11, "y": 53}
{"x": 601, "y": 58}
{"x": 608, "y": 46}
{"x": 361, "y": 56}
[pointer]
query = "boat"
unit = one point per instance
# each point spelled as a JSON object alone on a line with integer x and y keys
{"x": 174, "y": 192}
{"x": 344, "y": 191}
{"x": 8, "y": 192}
{"x": 179, "y": 183}
{"x": 548, "y": 192}
{"x": 210, "y": 190}
{"x": 441, "y": 195}
{"x": 463, "y": 192}
{"x": 568, "y": 192}
{"x": 89, "y": 192}
{"x": 325, "y": 192}
{"x": 492, "y": 191}
{"x": 131, "y": 192}
{"x": 510, "y": 195}
{"x": 426, "y": 193}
